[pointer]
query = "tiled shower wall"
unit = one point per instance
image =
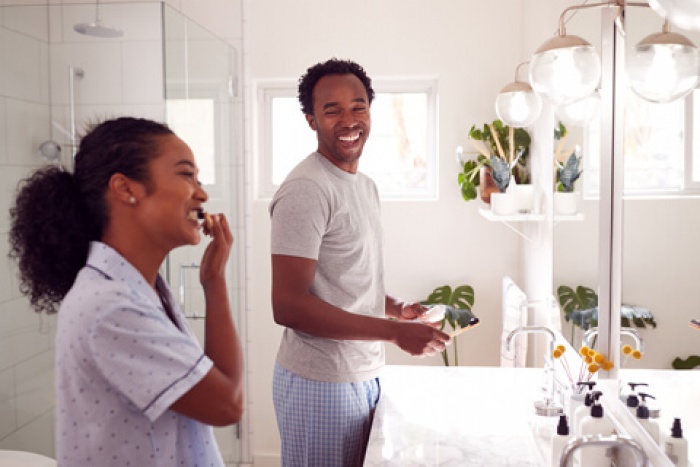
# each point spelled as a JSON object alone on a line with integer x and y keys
{"x": 37, "y": 49}
{"x": 26, "y": 339}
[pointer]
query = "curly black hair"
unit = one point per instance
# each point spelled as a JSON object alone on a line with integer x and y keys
{"x": 333, "y": 66}
{"x": 57, "y": 213}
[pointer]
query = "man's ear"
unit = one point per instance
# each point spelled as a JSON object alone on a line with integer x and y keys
{"x": 311, "y": 121}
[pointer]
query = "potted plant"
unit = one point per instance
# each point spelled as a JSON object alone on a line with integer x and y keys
{"x": 565, "y": 198}
{"x": 458, "y": 313}
{"x": 509, "y": 144}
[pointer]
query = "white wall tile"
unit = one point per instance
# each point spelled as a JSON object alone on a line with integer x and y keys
{"x": 36, "y": 436}
{"x": 8, "y": 415}
{"x": 6, "y": 270}
{"x": 29, "y": 20}
{"x": 21, "y": 65}
{"x": 3, "y": 132}
{"x": 102, "y": 67}
{"x": 27, "y": 127}
{"x": 23, "y": 333}
{"x": 142, "y": 72}
{"x": 34, "y": 387}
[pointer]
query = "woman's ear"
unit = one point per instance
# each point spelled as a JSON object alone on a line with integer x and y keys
{"x": 124, "y": 189}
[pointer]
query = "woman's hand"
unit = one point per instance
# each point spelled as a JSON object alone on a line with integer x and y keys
{"x": 213, "y": 265}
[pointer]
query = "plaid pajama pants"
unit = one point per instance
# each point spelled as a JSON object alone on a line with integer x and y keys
{"x": 322, "y": 424}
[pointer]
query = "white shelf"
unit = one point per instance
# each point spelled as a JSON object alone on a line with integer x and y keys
{"x": 525, "y": 217}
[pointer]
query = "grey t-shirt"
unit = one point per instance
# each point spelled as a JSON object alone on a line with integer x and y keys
{"x": 324, "y": 213}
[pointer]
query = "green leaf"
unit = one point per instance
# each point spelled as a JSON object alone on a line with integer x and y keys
{"x": 468, "y": 191}
{"x": 687, "y": 364}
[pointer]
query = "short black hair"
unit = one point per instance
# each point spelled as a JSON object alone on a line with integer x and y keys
{"x": 333, "y": 66}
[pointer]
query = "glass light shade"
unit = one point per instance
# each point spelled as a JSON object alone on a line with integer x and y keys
{"x": 684, "y": 14}
{"x": 565, "y": 69}
{"x": 581, "y": 112}
{"x": 518, "y": 105}
{"x": 663, "y": 67}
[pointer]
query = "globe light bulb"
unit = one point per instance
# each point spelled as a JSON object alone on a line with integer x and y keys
{"x": 663, "y": 67}
{"x": 565, "y": 69}
{"x": 581, "y": 112}
{"x": 517, "y": 105}
{"x": 684, "y": 14}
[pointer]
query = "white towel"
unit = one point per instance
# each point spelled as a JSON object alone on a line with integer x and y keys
{"x": 514, "y": 315}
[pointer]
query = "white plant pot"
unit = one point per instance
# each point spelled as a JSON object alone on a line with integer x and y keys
{"x": 565, "y": 203}
{"x": 525, "y": 195}
{"x": 504, "y": 203}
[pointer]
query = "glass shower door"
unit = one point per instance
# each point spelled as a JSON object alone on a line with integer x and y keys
{"x": 199, "y": 77}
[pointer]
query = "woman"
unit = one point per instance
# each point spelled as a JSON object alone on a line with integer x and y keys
{"x": 133, "y": 386}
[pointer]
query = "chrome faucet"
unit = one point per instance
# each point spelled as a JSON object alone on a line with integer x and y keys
{"x": 633, "y": 333}
{"x": 548, "y": 406}
{"x": 533, "y": 329}
{"x": 599, "y": 440}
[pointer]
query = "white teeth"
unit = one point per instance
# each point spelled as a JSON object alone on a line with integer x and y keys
{"x": 353, "y": 137}
{"x": 192, "y": 215}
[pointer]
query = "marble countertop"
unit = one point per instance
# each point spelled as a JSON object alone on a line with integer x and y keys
{"x": 430, "y": 416}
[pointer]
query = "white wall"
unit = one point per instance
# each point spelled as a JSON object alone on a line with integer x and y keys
{"x": 473, "y": 49}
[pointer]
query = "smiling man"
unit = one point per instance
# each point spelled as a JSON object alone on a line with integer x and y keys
{"x": 328, "y": 281}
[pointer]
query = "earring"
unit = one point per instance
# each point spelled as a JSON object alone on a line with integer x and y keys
{"x": 132, "y": 200}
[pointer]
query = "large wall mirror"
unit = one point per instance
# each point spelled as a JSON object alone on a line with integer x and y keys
{"x": 660, "y": 208}
{"x": 661, "y": 212}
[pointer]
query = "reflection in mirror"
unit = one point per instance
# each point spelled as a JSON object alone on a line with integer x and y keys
{"x": 661, "y": 213}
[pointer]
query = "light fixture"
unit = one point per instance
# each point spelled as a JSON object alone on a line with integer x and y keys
{"x": 517, "y": 105}
{"x": 663, "y": 66}
{"x": 566, "y": 68}
{"x": 581, "y": 112}
{"x": 684, "y": 14}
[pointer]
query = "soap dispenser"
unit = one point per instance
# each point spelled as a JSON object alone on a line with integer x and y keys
{"x": 643, "y": 417}
{"x": 631, "y": 400}
{"x": 676, "y": 446}
{"x": 583, "y": 411}
{"x": 559, "y": 440}
{"x": 595, "y": 424}
{"x": 577, "y": 399}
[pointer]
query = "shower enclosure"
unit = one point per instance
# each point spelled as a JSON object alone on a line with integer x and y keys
{"x": 65, "y": 67}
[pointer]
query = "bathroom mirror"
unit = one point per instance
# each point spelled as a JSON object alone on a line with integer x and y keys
{"x": 661, "y": 213}
{"x": 659, "y": 259}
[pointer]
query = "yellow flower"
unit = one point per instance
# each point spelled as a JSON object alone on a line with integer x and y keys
{"x": 588, "y": 359}
{"x": 556, "y": 353}
{"x": 583, "y": 351}
{"x": 592, "y": 368}
{"x": 626, "y": 349}
{"x": 591, "y": 352}
{"x": 636, "y": 354}
{"x": 598, "y": 358}
{"x": 607, "y": 365}
{"x": 561, "y": 348}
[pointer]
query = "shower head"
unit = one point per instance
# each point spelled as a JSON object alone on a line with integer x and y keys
{"x": 50, "y": 151}
{"x": 97, "y": 29}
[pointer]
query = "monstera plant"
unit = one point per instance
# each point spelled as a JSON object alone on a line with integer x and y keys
{"x": 458, "y": 313}
{"x": 580, "y": 307}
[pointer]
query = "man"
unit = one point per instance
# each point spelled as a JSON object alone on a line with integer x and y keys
{"x": 327, "y": 281}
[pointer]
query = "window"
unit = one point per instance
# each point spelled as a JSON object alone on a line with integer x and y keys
{"x": 662, "y": 156}
{"x": 400, "y": 154}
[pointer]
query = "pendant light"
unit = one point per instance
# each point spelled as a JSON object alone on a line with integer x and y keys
{"x": 684, "y": 14}
{"x": 565, "y": 69}
{"x": 663, "y": 66}
{"x": 581, "y": 112}
{"x": 517, "y": 104}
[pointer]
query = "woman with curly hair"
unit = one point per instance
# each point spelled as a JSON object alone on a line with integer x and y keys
{"x": 133, "y": 386}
